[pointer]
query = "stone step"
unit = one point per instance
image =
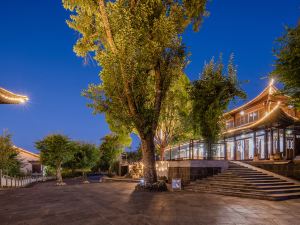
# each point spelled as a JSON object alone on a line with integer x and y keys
{"x": 261, "y": 178}
{"x": 278, "y": 187}
{"x": 246, "y": 182}
{"x": 248, "y": 189}
{"x": 247, "y": 177}
{"x": 238, "y": 194}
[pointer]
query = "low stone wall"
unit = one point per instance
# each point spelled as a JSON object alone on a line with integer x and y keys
{"x": 190, "y": 170}
{"x": 289, "y": 169}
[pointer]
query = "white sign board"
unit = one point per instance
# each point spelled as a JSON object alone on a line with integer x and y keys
{"x": 176, "y": 184}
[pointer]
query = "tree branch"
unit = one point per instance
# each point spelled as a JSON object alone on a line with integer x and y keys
{"x": 111, "y": 43}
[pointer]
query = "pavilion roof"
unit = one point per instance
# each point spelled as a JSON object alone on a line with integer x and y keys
{"x": 269, "y": 90}
{"x": 277, "y": 117}
{"x": 7, "y": 97}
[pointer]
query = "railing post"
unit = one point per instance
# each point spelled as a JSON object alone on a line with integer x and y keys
{"x": 192, "y": 146}
{"x": 1, "y": 185}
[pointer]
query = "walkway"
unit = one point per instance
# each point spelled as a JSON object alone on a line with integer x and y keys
{"x": 116, "y": 203}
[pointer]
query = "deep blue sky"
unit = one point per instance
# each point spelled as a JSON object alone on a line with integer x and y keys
{"x": 36, "y": 59}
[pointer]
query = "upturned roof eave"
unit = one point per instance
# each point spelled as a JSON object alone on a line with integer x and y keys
{"x": 264, "y": 93}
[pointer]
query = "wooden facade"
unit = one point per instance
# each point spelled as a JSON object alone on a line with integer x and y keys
{"x": 265, "y": 128}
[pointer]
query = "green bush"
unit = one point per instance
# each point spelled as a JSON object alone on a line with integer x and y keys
{"x": 159, "y": 186}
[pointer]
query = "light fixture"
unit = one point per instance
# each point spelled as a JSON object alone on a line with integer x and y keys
{"x": 242, "y": 112}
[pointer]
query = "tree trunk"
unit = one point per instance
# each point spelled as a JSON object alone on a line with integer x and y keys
{"x": 58, "y": 174}
{"x": 148, "y": 149}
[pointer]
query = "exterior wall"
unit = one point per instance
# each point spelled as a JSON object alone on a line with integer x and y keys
{"x": 291, "y": 169}
{"x": 191, "y": 170}
{"x": 26, "y": 160}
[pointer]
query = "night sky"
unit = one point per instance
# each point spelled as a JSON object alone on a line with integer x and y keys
{"x": 36, "y": 59}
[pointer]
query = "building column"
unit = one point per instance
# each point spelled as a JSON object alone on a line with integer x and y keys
{"x": 272, "y": 145}
{"x": 170, "y": 153}
{"x": 192, "y": 147}
{"x": 225, "y": 150}
{"x": 284, "y": 143}
{"x": 278, "y": 141}
{"x": 294, "y": 147}
{"x": 198, "y": 148}
{"x": 254, "y": 143}
{"x": 266, "y": 144}
{"x": 234, "y": 148}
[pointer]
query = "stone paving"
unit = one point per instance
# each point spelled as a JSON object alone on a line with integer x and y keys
{"x": 114, "y": 203}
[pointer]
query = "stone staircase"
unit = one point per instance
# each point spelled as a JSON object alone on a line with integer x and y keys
{"x": 242, "y": 181}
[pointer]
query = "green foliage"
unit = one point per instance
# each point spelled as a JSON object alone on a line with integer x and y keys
{"x": 287, "y": 67}
{"x": 211, "y": 95}
{"x": 134, "y": 156}
{"x": 110, "y": 150}
{"x": 174, "y": 123}
{"x": 85, "y": 157}
{"x": 9, "y": 162}
{"x": 55, "y": 149}
{"x": 159, "y": 186}
{"x": 138, "y": 45}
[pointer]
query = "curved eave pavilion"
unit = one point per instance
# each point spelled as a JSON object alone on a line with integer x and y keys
{"x": 277, "y": 117}
{"x": 7, "y": 97}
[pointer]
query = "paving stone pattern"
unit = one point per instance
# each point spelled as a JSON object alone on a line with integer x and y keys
{"x": 115, "y": 203}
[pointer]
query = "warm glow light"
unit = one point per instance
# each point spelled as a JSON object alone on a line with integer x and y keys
{"x": 16, "y": 98}
{"x": 271, "y": 82}
{"x": 242, "y": 112}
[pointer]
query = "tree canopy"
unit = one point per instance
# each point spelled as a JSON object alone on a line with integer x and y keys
{"x": 139, "y": 47}
{"x": 85, "y": 157}
{"x": 287, "y": 66}
{"x": 211, "y": 95}
{"x": 9, "y": 162}
{"x": 55, "y": 149}
{"x": 174, "y": 123}
{"x": 110, "y": 150}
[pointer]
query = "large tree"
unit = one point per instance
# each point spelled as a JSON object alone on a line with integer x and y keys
{"x": 110, "y": 151}
{"x": 211, "y": 95}
{"x": 138, "y": 45}
{"x": 85, "y": 157}
{"x": 9, "y": 162}
{"x": 174, "y": 123}
{"x": 287, "y": 66}
{"x": 55, "y": 149}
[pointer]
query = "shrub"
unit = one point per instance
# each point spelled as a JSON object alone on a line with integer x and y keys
{"x": 159, "y": 186}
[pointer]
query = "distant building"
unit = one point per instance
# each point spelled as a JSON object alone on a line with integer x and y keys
{"x": 30, "y": 162}
{"x": 265, "y": 128}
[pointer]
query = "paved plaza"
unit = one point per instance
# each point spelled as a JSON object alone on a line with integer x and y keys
{"x": 116, "y": 203}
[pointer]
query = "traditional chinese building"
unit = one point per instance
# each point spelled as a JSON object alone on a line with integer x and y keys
{"x": 265, "y": 128}
{"x": 30, "y": 162}
{"x": 7, "y": 97}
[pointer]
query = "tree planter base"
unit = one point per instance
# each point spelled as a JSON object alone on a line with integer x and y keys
{"x": 61, "y": 184}
{"x": 86, "y": 182}
{"x": 159, "y": 186}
